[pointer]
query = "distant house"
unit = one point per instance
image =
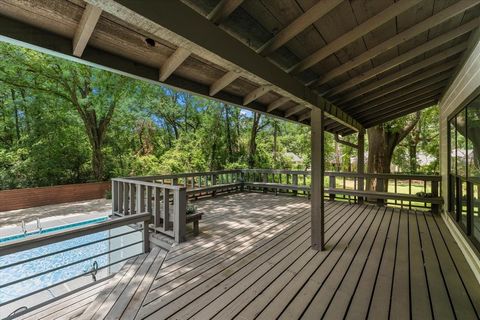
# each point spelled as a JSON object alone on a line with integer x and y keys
{"x": 296, "y": 159}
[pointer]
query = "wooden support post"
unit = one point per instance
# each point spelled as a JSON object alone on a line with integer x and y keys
{"x": 242, "y": 181}
{"x": 180, "y": 214}
{"x": 295, "y": 182}
{"x": 115, "y": 197}
{"x": 317, "y": 184}
{"x": 146, "y": 236}
{"x": 120, "y": 201}
{"x": 435, "y": 207}
{"x": 156, "y": 208}
{"x": 331, "y": 184}
{"x": 167, "y": 225}
{"x": 361, "y": 162}
{"x": 214, "y": 182}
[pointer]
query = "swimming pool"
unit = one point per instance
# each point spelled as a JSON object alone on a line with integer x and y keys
{"x": 75, "y": 254}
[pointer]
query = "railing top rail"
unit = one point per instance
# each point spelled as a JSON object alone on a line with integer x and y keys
{"x": 182, "y": 175}
{"x": 140, "y": 181}
{"x": 148, "y": 180}
{"x": 353, "y": 174}
{"x": 45, "y": 239}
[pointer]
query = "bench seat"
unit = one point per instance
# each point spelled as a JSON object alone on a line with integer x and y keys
{"x": 277, "y": 186}
{"x": 385, "y": 195}
{"x": 219, "y": 187}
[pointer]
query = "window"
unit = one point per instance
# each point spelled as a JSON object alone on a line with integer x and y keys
{"x": 464, "y": 169}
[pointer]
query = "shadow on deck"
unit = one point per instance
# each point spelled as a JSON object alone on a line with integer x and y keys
{"x": 252, "y": 259}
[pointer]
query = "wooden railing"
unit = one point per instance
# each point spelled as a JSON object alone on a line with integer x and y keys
{"x": 166, "y": 203}
{"x": 68, "y": 256}
{"x": 394, "y": 189}
{"x": 147, "y": 193}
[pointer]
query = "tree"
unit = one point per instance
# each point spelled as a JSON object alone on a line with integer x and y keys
{"x": 472, "y": 131}
{"x": 383, "y": 139}
{"x": 94, "y": 94}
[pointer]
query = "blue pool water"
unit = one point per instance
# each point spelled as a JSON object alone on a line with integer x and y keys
{"x": 52, "y": 229}
{"x": 40, "y": 265}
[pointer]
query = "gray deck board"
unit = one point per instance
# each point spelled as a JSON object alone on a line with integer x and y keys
{"x": 252, "y": 260}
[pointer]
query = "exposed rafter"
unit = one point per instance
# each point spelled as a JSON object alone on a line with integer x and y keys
{"x": 172, "y": 21}
{"x": 173, "y": 62}
{"x": 294, "y": 110}
{"x": 277, "y": 103}
{"x": 304, "y": 116}
{"x": 399, "y": 112}
{"x": 85, "y": 28}
{"x": 397, "y": 85}
{"x": 419, "y": 88}
{"x": 436, "y": 42}
{"x": 317, "y": 11}
{"x": 223, "y": 9}
{"x": 354, "y": 34}
{"x": 423, "y": 26}
{"x": 255, "y": 94}
{"x": 400, "y": 102}
{"x": 224, "y": 81}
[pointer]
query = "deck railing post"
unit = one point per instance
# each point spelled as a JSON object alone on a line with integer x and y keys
{"x": 167, "y": 225}
{"x": 180, "y": 214}
{"x": 295, "y": 182}
{"x": 435, "y": 207}
{"x": 146, "y": 236}
{"x": 214, "y": 182}
{"x": 115, "y": 197}
{"x": 331, "y": 185}
{"x": 242, "y": 181}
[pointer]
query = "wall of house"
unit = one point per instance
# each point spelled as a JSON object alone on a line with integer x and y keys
{"x": 465, "y": 86}
{"x": 34, "y": 197}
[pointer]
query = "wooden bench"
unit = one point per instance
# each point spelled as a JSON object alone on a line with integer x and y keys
{"x": 195, "y": 219}
{"x": 198, "y": 191}
{"x": 434, "y": 201}
{"x": 277, "y": 186}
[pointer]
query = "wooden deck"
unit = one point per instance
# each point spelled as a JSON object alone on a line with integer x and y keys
{"x": 253, "y": 260}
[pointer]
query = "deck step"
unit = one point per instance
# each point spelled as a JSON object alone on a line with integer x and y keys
{"x": 123, "y": 296}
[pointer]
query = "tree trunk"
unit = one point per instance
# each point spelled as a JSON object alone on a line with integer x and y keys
{"x": 382, "y": 141}
{"x": 412, "y": 150}
{"x": 229, "y": 133}
{"x": 337, "y": 157}
{"x": 275, "y": 133}
{"x": 252, "y": 146}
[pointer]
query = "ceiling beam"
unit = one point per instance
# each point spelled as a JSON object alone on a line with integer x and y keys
{"x": 173, "y": 62}
{"x": 304, "y": 116}
{"x": 172, "y": 21}
{"x": 383, "y": 98}
{"x": 354, "y": 34}
{"x": 223, "y": 9}
{"x": 223, "y": 82}
{"x": 318, "y": 10}
{"x": 400, "y": 38}
{"x": 427, "y": 46}
{"x": 255, "y": 94}
{"x": 401, "y": 112}
{"x": 294, "y": 110}
{"x": 414, "y": 68}
{"x": 332, "y": 127}
{"x": 85, "y": 28}
{"x": 277, "y": 103}
{"x": 31, "y": 37}
{"x": 400, "y": 102}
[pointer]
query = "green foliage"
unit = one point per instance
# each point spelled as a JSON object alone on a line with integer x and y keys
{"x": 63, "y": 122}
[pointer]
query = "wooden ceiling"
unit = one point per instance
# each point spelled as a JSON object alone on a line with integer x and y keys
{"x": 364, "y": 62}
